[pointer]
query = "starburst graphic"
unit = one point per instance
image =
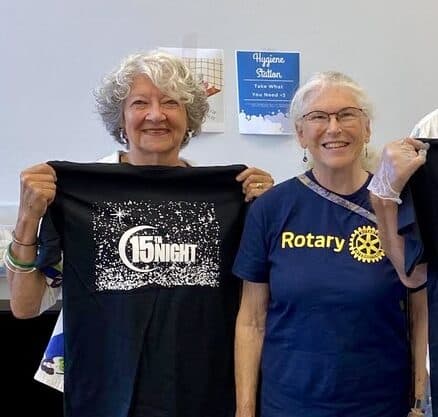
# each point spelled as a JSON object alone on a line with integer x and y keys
{"x": 119, "y": 214}
{"x": 171, "y": 244}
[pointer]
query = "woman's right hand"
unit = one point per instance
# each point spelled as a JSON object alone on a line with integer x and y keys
{"x": 38, "y": 189}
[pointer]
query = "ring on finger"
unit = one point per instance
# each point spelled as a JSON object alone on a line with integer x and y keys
{"x": 259, "y": 186}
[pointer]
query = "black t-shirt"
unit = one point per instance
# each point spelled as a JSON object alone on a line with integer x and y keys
{"x": 149, "y": 299}
{"x": 423, "y": 186}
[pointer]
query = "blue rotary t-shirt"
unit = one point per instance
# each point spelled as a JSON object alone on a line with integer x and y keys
{"x": 336, "y": 332}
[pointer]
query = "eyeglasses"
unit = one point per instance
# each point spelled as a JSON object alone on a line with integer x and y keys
{"x": 346, "y": 117}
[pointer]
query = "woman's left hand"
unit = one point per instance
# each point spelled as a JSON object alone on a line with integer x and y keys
{"x": 402, "y": 158}
{"x": 254, "y": 182}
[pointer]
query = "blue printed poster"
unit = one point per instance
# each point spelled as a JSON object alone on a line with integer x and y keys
{"x": 267, "y": 81}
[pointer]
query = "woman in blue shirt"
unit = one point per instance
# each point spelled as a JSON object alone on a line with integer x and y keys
{"x": 323, "y": 312}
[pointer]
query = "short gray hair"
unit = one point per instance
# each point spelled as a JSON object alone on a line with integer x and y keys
{"x": 321, "y": 80}
{"x": 167, "y": 72}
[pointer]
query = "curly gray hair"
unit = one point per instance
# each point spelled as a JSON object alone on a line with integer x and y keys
{"x": 168, "y": 73}
{"x": 321, "y": 80}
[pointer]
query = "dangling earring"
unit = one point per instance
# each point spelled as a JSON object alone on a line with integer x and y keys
{"x": 305, "y": 159}
{"x": 122, "y": 136}
{"x": 187, "y": 136}
{"x": 366, "y": 150}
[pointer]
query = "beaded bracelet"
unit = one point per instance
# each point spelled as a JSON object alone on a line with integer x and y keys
{"x": 19, "y": 242}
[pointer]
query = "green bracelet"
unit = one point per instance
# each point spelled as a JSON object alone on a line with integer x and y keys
{"x": 15, "y": 262}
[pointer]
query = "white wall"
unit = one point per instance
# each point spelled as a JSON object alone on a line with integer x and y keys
{"x": 54, "y": 53}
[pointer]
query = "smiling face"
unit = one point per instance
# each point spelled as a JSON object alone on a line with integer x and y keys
{"x": 155, "y": 124}
{"x": 333, "y": 145}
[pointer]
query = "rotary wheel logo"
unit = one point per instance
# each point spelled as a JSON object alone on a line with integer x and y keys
{"x": 365, "y": 245}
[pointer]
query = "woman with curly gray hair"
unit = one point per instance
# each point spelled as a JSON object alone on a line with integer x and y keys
{"x": 152, "y": 105}
{"x": 167, "y": 74}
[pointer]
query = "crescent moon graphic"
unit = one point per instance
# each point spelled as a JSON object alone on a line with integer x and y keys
{"x": 122, "y": 248}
